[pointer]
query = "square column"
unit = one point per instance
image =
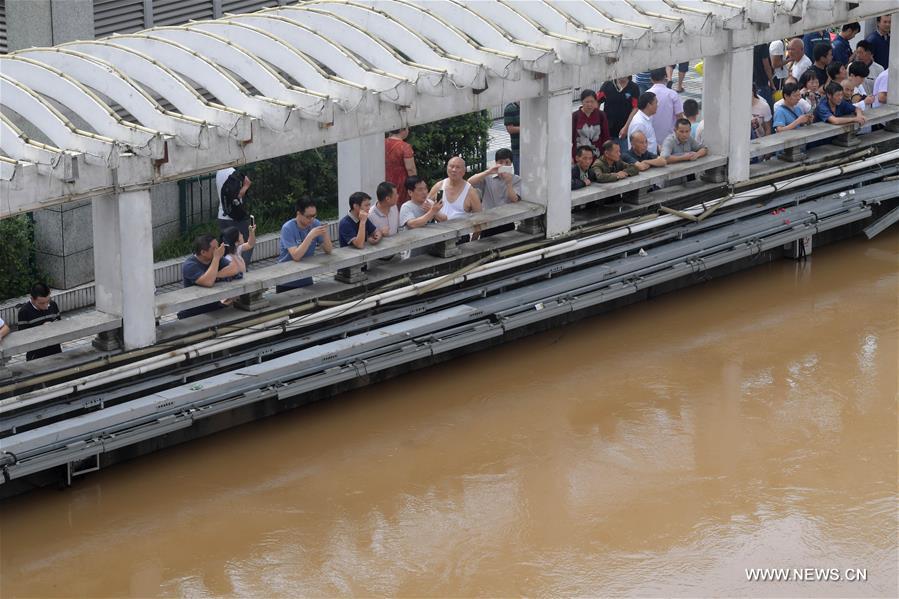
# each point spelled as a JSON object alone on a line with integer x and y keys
{"x": 360, "y": 167}
{"x": 893, "y": 81}
{"x": 123, "y": 264}
{"x": 727, "y": 109}
{"x": 546, "y": 157}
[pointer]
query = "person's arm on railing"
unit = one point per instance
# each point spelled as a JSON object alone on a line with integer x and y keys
{"x": 359, "y": 240}
{"x": 212, "y": 271}
{"x": 4, "y": 329}
{"x": 472, "y": 201}
{"x": 298, "y": 251}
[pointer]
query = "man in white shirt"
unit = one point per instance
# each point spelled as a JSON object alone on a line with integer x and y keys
{"x": 864, "y": 52}
{"x": 647, "y": 105}
{"x": 226, "y": 221}
{"x": 880, "y": 88}
{"x": 777, "y": 53}
{"x": 670, "y": 107}
{"x": 384, "y": 214}
{"x": 798, "y": 62}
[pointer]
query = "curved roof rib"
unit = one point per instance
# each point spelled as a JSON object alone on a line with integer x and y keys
{"x": 132, "y": 110}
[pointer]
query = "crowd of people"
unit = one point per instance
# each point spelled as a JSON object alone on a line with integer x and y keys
{"x": 628, "y": 126}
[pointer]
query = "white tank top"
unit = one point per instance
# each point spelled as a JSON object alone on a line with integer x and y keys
{"x": 454, "y": 208}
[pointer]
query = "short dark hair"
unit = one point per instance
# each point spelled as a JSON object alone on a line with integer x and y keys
{"x": 858, "y": 69}
{"x": 852, "y": 27}
{"x": 385, "y": 190}
{"x": 357, "y": 197}
{"x": 682, "y": 121}
{"x": 587, "y": 93}
{"x": 789, "y": 88}
{"x": 878, "y": 18}
{"x": 202, "y": 243}
{"x": 582, "y": 149}
{"x": 503, "y": 154}
{"x": 412, "y": 182}
{"x": 608, "y": 145}
{"x": 659, "y": 74}
{"x": 820, "y": 51}
{"x": 866, "y": 46}
{"x": 833, "y": 69}
{"x": 40, "y": 289}
{"x": 691, "y": 107}
{"x": 808, "y": 75}
{"x": 832, "y": 88}
{"x": 645, "y": 99}
{"x": 303, "y": 203}
{"x": 230, "y": 236}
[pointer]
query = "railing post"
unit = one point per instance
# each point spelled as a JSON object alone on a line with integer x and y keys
{"x": 727, "y": 108}
{"x": 546, "y": 157}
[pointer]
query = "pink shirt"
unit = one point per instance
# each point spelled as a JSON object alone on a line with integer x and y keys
{"x": 670, "y": 106}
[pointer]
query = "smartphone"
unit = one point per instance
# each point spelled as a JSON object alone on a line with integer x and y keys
{"x": 439, "y": 195}
{"x": 252, "y": 220}
{"x": 506, "y": 169}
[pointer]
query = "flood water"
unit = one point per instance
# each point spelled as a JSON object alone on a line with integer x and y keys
{"x": 662, "y": 450}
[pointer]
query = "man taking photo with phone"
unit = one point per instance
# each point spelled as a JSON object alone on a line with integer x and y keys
{"x": 498, "y": 185}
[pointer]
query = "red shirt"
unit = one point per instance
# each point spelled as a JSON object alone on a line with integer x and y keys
{"x": 590, "y": 130}
{"x": 395, "y": 153}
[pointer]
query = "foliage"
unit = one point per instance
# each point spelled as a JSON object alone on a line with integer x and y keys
{"x": 435, "y": 143}
{"x": 18, "y": 271}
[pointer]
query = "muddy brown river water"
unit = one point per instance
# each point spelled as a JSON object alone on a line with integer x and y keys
{"x": 659, "y": 450}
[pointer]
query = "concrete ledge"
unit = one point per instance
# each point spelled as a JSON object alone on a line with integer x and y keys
{"x": 84, "y": 325}
{"x": 600, "y": 191}
{"x": 263, "y": 278}
{"x": 818, "y": 131}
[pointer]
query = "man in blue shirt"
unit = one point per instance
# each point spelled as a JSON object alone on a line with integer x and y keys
{"x": 203, "y": 269}
{"x": 880, "y": 39}
{"x": 354, "y": 228}
{"x": 841, "y": 49}
{"x": 790, "y": 115}
{"x": 837, "y": 111}
{"x": 809, "y": 40}
{"x": 300, "y": 237}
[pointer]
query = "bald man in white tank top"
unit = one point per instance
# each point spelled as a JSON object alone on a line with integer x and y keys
{"x": 459, "y": 198}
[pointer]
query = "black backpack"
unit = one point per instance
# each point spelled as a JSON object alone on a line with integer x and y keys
{"x": 232, "y": 205}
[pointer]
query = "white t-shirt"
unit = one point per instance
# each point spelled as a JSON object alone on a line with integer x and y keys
{"x": 220, "y": 178}
{"x": 776, "y": 48}
{"x": 643, "y": 123}
{"x": 410, "y": 211}
{"x": 880, "y": 85}
{"x": 874, "y": 71}
{"x": 761, "y": 110}
{"x": 800, "y": 67}
{"x": 804, "y": 104}
{"x": 390, "y": 221}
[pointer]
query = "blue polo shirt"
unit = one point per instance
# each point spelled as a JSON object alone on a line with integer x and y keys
{"x": 841, "y": 50}
{"x": 291, "y": 236}
{"x": 349, "y": 228}
{"x": 881, "y": 48}
{"x": 784, "y": 115}
{"x": 823, "y": 112}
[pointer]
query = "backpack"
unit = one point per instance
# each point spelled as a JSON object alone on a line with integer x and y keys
{"x": 232, "y": 205}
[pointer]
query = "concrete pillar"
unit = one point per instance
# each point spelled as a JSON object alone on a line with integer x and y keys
{"x": 546, "y": 157}
{"x": 360, "y": 167}
{"x": 726, "y": 106}
{"x": 893, "y": 81}
{"x": 123, "y": 259}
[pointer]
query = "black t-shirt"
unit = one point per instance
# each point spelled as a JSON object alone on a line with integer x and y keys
{"x": 759, "y": 54}
{"x": 618, "y": 104}
{"x": 29, "y": 317}
{"x": 820, "y": 73}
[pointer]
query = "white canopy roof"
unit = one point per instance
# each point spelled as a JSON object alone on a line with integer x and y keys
{"x": 123, "y": 112}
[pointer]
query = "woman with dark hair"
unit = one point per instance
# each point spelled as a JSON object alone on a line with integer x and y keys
{"x": 589, "y": 125}
{"x": 235, "y": 247}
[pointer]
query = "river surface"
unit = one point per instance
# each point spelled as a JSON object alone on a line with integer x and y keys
{"x": 659, "y": 450}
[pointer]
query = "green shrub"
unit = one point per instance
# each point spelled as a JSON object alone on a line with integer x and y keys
{"x": 18, "y": 271}
{"x": 435, "y": 143}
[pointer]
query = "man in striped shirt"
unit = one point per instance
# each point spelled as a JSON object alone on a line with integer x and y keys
{"x": 35, "y": 312}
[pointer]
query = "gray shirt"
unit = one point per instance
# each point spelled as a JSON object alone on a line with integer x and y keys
{"x": 493, "y": 191}
{"x": 410, "y": 210}
{"x": 391, "y": 220}
{"x": 672, "y": 147}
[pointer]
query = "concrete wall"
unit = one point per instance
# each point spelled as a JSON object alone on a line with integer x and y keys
{"x": 166, "y": 214}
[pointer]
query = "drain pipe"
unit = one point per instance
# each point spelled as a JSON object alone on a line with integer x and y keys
{"x": 239, "y": 337}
